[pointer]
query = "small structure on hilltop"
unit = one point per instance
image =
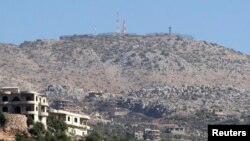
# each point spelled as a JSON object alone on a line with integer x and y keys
{"x": 29, "y": 103}
{"x": 77, "y": 123}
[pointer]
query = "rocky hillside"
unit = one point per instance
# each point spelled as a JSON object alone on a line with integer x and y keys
{"x": 119, "y": 63}
{"x": 136, "y": 81}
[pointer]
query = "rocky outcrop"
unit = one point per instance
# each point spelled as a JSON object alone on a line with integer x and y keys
{"x": 15, "y": 124}
{"x": 161, "y": 101}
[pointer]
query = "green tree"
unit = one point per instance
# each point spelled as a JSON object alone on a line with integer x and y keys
{"x": 30, "y": 121}
{"x": 94, "y": 137}
{"x": 23, "y": 137}
{"x": 2, "y": 119}
{"x": 57, "y": 125}
{"x": 38, "y": 129}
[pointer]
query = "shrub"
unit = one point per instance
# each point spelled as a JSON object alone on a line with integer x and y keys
{"x": 30, "y": 121}
{"x": 38, "y": 129}
{"x": 23, "y": 137}
{"x": 94, "y": 137}
{"x": 2, "y": 119}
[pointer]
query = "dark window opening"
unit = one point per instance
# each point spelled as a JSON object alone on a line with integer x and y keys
{"x": 17, "y": 110}
{"x": 68, "y": 118}
{"x": 5, "y": 109}
{"x": 75, "y": 120}
{"x": 5, "y": 98}
{"x": 28, "y": 108}
{"x": 43, "y": 109}
{"x": 31, "y": 116}
{"x": 16, "y": 99}
{"x": 28, "y": 98}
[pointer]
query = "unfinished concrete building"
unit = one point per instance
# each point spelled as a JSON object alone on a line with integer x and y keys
{"x": 29, "y": 103}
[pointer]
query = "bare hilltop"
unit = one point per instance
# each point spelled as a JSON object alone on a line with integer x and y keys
{"x": 116, "y": 63}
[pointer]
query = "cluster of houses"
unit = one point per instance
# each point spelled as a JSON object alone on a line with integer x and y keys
{"x": 148, "y": 135}
{"x": 35, "y": 106}
{"x": 155, "y": 135}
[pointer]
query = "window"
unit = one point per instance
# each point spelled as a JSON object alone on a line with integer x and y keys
{"x": 44, "y": 101}
{"x": 36, "y": 98}
{"x": 75, "y": 120}
{"x": 43, "y": 109}
{"x": 5, "y": 109}
{"x": 28, "y": 98}
{"x": 17, "y": 110}
{"x": 31, "y": 116}
{"x": 28, "y": 108}
{"x": 36, "y": 108}
{"x": 68, "y": 118}
{"x": 16, "y": 99}
{"x": 5, "y": 98}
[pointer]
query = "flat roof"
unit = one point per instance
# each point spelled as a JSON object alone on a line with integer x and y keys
{"x": 69, "y": 113}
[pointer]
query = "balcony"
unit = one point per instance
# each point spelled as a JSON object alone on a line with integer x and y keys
{"x": 31, "y": 112}
{"x": 16, "y": 102}
{"x": 30, "y": 102}
{"x": 44, "y": 114}
{"x": 4, "y": 102}
{"x": 44, "y": 104}
{"x": 6, "y": 92}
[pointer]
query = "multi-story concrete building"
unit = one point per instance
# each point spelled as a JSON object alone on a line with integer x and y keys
{"x": 66, "y": 105}
{"x": 29, "y": 103}
{"x": 152, "y": 135}
{"x": 77, "y": 123}
{"x": 139, "y": 135}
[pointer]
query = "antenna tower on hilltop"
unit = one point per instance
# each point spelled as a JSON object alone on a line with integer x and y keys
{"x": 95, "y": 30}
{"x": 124, "y": 27}
{"x": 118, "y": 23}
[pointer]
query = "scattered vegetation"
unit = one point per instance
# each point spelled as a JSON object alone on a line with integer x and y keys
{"x": 95, "y": 136}
{"x": 38, "y": 129}
{"x": 55, "y": 131}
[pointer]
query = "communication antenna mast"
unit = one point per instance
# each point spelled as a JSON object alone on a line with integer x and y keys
{"x": 170, "y": 30}
{"x": 117, "y": 23}
{"x": 95, "y": 30}
{"x": 124, "y": 29}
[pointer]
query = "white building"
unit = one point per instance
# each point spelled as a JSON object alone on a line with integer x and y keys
{"x": 29, "y": 103}
{"x": 152, "y": 135}
{"x": 77, "y": 123}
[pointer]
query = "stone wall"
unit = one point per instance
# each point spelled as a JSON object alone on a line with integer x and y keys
{"x": 15, "y": 123}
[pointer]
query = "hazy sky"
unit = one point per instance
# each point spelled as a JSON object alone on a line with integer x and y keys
{"x": 226, "y": 22}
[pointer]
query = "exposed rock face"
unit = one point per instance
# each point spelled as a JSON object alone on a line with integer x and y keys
{"x": 161, "y": 101}
{"x": 15, "y": 124}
